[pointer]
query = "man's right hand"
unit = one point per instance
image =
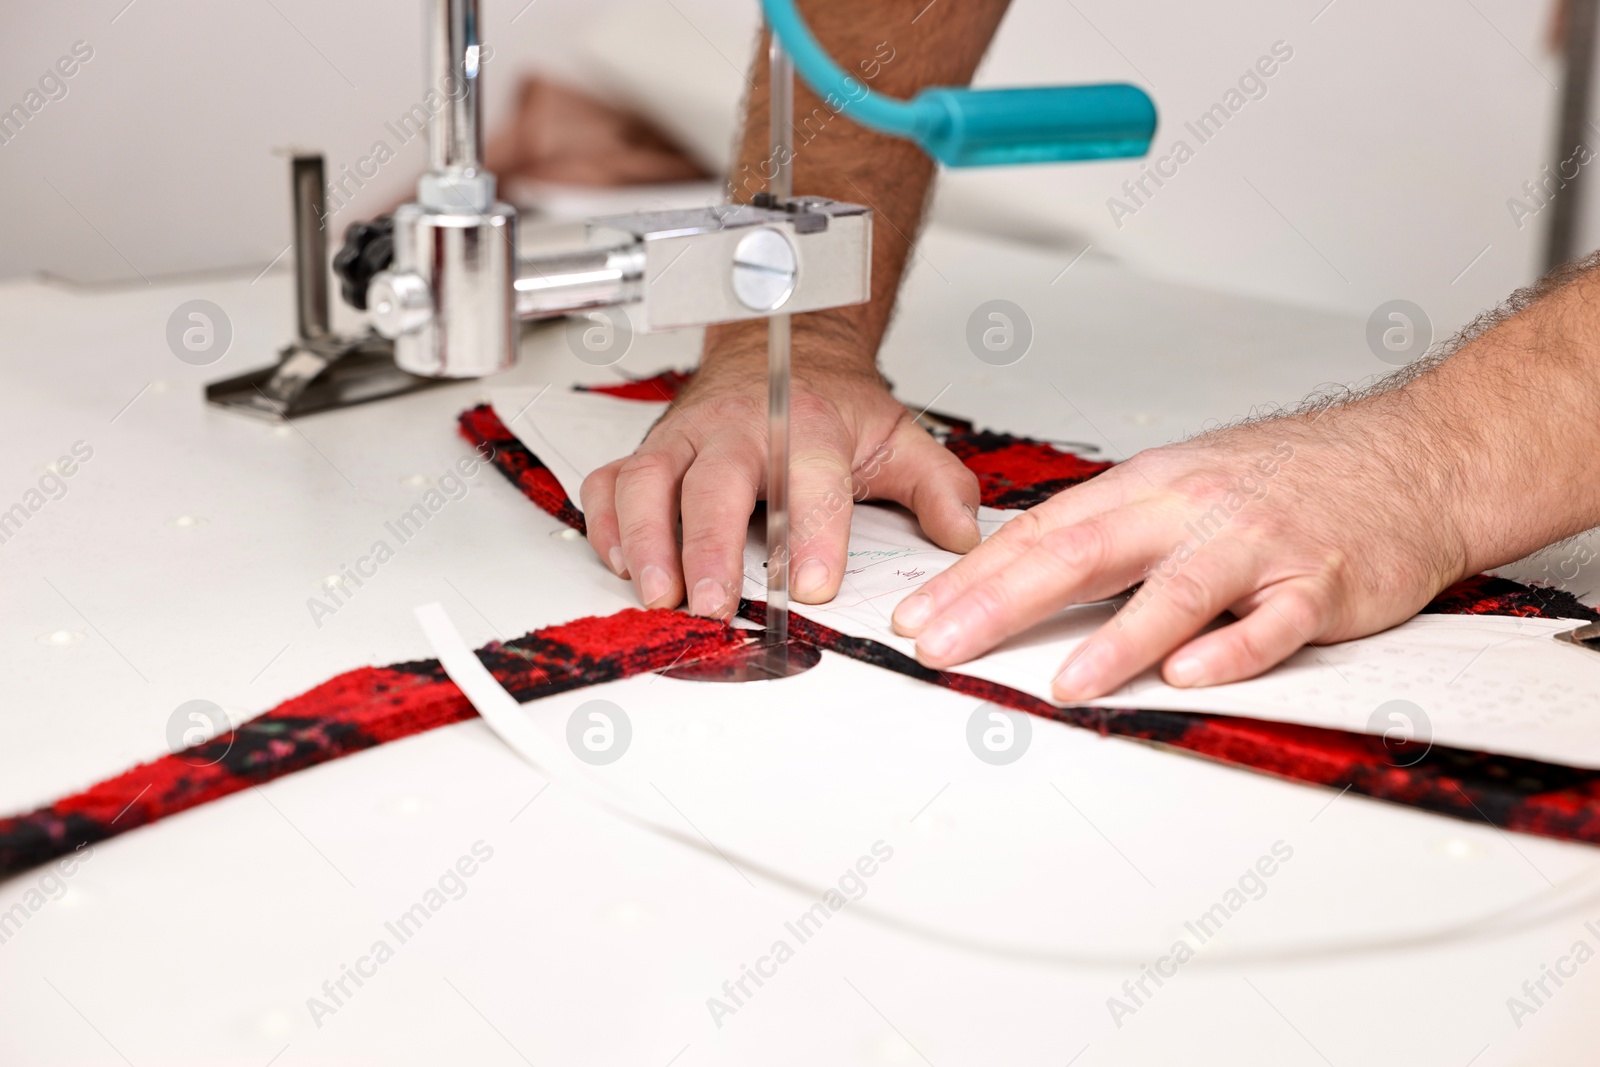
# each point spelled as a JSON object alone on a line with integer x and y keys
{"x": 705, "y": 463}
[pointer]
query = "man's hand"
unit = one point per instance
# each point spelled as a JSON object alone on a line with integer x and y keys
{"x": 1309, "y": 529}
{"x": 705, "y": 461}
{"x": 850, "y": 440}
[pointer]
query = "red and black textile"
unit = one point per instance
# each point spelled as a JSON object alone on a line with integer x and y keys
{"x": 368, "y": 706}
{"x": 663, "y": 386}
{"x": 356, "y": 710}
{"x": 1018, "y": 472}
{"x": 1531, "y": 796}
{"x": 1485, "y": 594}
{"x": 527, "y": 472}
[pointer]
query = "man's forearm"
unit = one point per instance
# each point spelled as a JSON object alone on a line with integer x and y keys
{"x": 1501, "y": 437}
{"x": 895, "y": 47}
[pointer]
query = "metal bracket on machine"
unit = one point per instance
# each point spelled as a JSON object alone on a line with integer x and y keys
{"x": 318, "y": 370}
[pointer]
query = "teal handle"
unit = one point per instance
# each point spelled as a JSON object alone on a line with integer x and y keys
{"x": 976, "y": 127}
{"x": 979, "y": 127}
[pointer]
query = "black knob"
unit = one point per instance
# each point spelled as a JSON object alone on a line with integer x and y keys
{"x": 368, "y": 249}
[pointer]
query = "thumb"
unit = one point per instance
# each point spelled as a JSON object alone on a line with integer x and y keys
{"x": 915, "y": 470}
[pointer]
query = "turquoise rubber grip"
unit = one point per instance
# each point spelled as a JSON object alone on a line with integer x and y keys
{"x": 978, "y": 127}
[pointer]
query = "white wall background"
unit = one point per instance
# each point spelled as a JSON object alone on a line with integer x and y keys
{"x": 1378, "y": 165}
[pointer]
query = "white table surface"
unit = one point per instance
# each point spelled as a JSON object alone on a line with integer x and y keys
{"x": 1018, "y": 899}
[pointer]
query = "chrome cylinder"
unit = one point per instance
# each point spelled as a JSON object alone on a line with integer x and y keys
{"x": 455, "y": 137}
{"x": 466, "y": 265}
{"x": 554, "y": 285}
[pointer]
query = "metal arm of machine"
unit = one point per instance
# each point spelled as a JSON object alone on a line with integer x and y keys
{"x": 672, "y": 269}
{"x": 456, "y": 288}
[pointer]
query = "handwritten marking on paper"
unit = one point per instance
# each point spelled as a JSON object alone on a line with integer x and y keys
{"x": 864, "y": 559}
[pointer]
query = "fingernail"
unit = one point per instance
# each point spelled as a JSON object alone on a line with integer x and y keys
{"x": 616, "y": 563}
{"x": 1080, "y": 678}
{"x": 938, "y": 641}
{"x": 1186, "y": 671}
{"x": 912, "y": 613}
{"x": 810, "y": 579}
{"x": 708, "y": 598}
{"x": 653, "y": 584}
{"x": 974, "y": 534}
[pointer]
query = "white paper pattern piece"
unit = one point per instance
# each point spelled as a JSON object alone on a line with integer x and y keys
{"x": 1491, "y": 683}
{"x": 574, "y": 433}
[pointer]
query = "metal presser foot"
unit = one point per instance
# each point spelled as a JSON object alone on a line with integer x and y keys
{"x": 318, "y": 370}
{"x": 756, "y": 662}
{"x": 759, "y": 660}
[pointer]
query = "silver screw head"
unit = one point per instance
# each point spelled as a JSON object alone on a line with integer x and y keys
{"x": 764, "y": 270}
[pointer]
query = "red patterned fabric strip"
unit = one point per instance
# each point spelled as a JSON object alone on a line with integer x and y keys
{"x": 511, "y": 457}
{"x": 663, "y": 386}
{"x": 357, "y": 710}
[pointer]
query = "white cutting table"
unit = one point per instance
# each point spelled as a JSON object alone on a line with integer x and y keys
{"x": 1017, "y": 901}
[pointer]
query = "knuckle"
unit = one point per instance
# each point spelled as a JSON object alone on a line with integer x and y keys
{"x": 697, "y": 490}
{"x": 712, "y": 547}
{"x": 1187, "y": 595}
{"x": 639, "y": 529}
{"x": 1246, "y": 650}
{"x": 740, "y": 407}
{"x": 810, "y": 405}
{"x": 643, "y": 466}
{"x": 1201, "y": 486}
{"x": 708, "y": 557}
{"x": 822, "y": 465}
{"x": 1264, "y": 524}
{"x": 713, "y": 412}
{"x": 821, "y": 481}
{"x": 595, "y": 483}
{"x": 704, "y": 490}
{"x": 989, "y": 603}
{"x": 1306, "y": 607}
{"x": 1021, "y": 531}
{"x": 817, "y": 515}
{"x": 1114, "y": 647}
{"x": 1081, "y": 549}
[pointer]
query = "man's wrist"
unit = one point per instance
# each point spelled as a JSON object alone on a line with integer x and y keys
{"x": 818, "y": 352}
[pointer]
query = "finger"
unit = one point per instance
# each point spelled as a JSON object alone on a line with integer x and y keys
{"x": 1167, "y": 611}
{"x": 1287, "y": 618}
{"x": 647, "y": 518}
{"x": 719, "y": 494}
{"x": 1072, "y": 565}
{"x": 1019, "y": 536}
{"x": 598, "y": 495}
{"x": 820, "y": 505}
{"x": 913, "y": 469}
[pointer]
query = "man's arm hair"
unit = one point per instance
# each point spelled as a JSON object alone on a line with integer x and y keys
{"x": 895, "y": 47}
